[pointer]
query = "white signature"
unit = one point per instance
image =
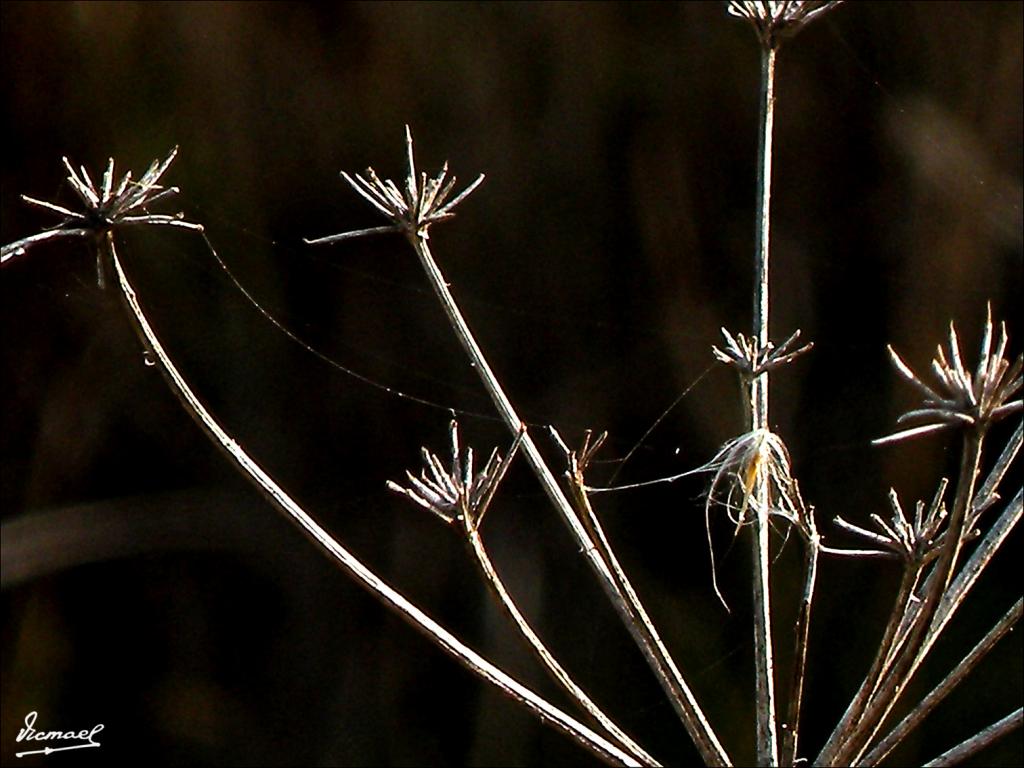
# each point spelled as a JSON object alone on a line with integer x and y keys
{"x": 30, "y": 734}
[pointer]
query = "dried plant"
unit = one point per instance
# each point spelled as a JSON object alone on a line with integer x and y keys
{"x": 413, "y": 218}
{"x": 412, "y": 209}
{"x": 104, "y": 240}
{"x": 772, "y": 21}
{"x": 106, "y": 208}
{"x": 963, "y": 400}
{"x": 752, "y": 480}
{"x": 775, "y": 20}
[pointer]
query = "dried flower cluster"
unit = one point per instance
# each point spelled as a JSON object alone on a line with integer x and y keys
{"x": 751, "y": 478}
{"x": 916, "y": 541}
{"x": 960, "y": 398}
{"x": 774, "y": 20}
{"x": 751, "y": 359}
{"x": 413, "y": 207}
{"x": 106, "y": 206}
{"x": 456, "y": 493}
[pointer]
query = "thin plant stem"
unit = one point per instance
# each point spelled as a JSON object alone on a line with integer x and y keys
{"x": 791, "y": 737}
{"x": 625, "y": 586}
{"x": 987, "y": 494}
{"x": 936, "y": 586}
{"x": 861, "y": 554}
{"x": 767, "y": 732}
{"x": 968, "y": 576}
{"x": 498, "y": 589}
{"x": 675, "y": 686}
{"x": 441, "y": 637}
{"x": 978, "y": 561}
{"x": 646, "y": 633}
{"x": 852, "y": 744}
{"x": 943, "y": 689}
{"x": 958, "y": 590}
{"x": 979, "y": 741}
{"x": 886, "y": 649}
{"x": 983, "y": 553}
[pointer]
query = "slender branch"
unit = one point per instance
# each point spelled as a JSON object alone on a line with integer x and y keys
{"x": 675, "y": 686}
{"x": 367, "y": 578}
{"x": 987, "y": 494}
{"x": 19, "y": 247}
{"x": 872, "y": 554}
{"x": 973, "y": 568}
{"x": 497, "y": 587}
{"x": 646, "y": 626}
{"x": 767, "y": 732}
{"x": 791, "y": 737}
{"x": 980, "y": 740}
{"x": 968, "y": 576}
{"x": 898, "y": 675}
{"x": 886, "y": 648}
{"x": 943, "y": 689}
{"x": 643, "y": 629}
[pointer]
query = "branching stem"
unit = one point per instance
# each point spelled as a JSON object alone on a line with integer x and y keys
{"x": 558, "y": 672}
{"x": 441, "y": 637}
{"x": 943, "y": 689}
{"x": 848, "y": 744}
{"x": 674, "y": 685}
{"x": 886, "y": 650}
{"x": 644, "y": 632}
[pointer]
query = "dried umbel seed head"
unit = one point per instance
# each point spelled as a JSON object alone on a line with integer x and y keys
{"x": 412, "y": 207}
{"x": 960, "y": 397}
{"x": 916, "y": 540}
{"x": 457, "y": 493}
{"x": 775, "y": 20}
{"x": 751, "y": 360}
{"x": 107, "y": 206}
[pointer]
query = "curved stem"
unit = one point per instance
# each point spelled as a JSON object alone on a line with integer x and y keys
{"x": 363, "y": 575}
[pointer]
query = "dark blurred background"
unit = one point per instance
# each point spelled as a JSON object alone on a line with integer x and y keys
{"x": 148, "y": 587}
